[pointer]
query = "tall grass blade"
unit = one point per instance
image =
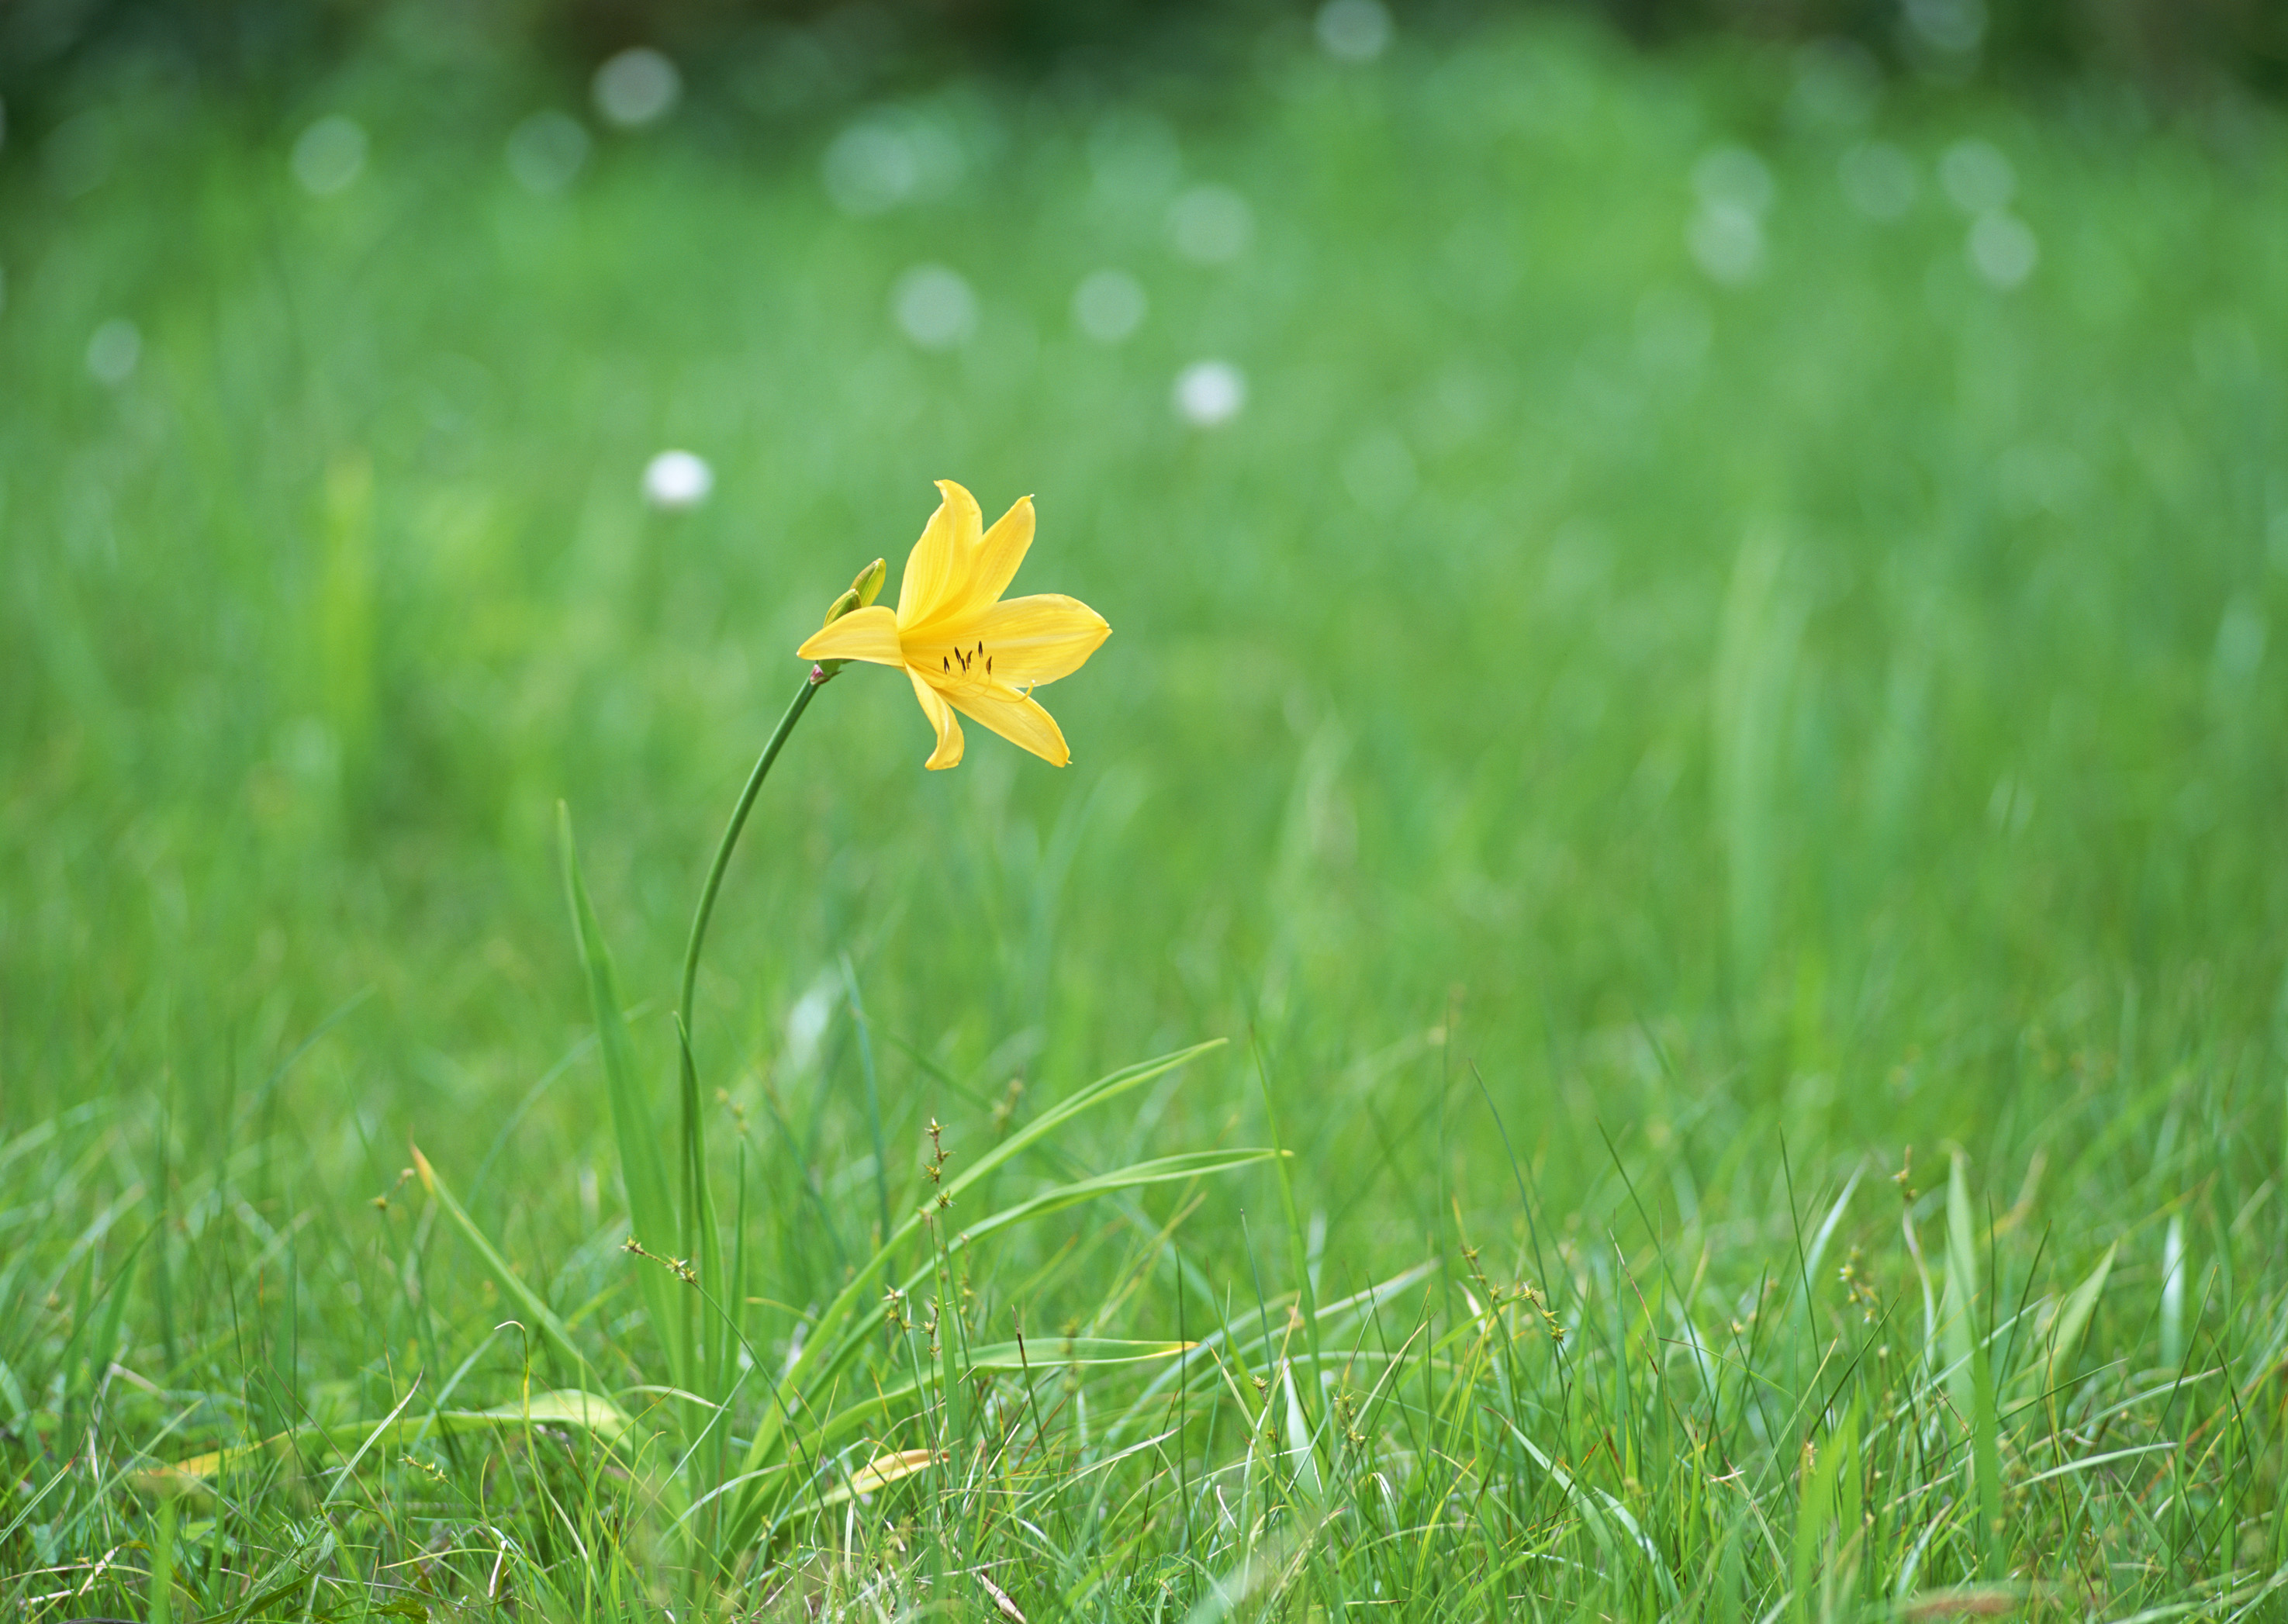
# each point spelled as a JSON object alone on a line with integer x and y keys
{"x": 651, "y": 1211}
{"x": 2073, "y": 1318}
{"x": 535, "y": 1313}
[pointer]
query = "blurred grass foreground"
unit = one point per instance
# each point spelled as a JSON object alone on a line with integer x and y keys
{"x": 1694, "y": 698}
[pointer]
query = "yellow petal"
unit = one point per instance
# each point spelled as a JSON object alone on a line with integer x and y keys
{"x": 1029, "y": 639}
{"x": 1000, "y": 551}
{"x": 941, "y": 559}
{"x": 1020, "y": 720}
{"x": 948, "y": 753}
{"x": 862, "y": 634}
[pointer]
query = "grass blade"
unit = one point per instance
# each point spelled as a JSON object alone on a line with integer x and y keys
{"x": 651, "y": 1211}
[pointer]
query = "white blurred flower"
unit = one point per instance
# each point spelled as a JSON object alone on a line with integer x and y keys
{"x": 1354, "y": 30}
{"x": 675, "y": 481}
{"x": 1108, "y": 305}
{"x": 2003, "y": 249}
{"x": 546, "y": 152}
{"x": 637, "y": 87}
{"x": 329, "y": 154}
{"x": 1208, "y": 392}
{"x": 114, "y": 350}
{"x": 1210, "y": 225}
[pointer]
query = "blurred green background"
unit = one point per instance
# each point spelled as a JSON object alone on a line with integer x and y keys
{"x": 1701, "y": 611}
{"x": 1717, "y": 590}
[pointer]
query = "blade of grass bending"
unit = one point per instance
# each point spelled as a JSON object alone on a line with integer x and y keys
{"x": 350, "y": 1465}
{"x": 1057, "y": 1353}
{"x": 513, "y": 1286}
{"x": 1191, "y": 1165}
{"x": 829, "y": 1328}
{"x": 558, "y": 1407}
{"x": 651, "y": 1214}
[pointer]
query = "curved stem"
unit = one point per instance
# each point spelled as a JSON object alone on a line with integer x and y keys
{"x": 810, "y": 686}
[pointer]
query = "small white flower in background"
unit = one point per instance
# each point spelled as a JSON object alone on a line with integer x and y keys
{"x": 934, "y": 306}
{"x": 330, "y": 155}
{"x": 2003, "y": 249}
{"x": 675, "y": 481}
{"x": 1210, "y": 225}
{"x": 113, "y": 350}
{"x": 1208, "y": 392}
{"x": 637, "y": 87}
{"x": 546, "y": 152}
{"x": 1354, "y": 30}
{"x": 1108, "y": 305}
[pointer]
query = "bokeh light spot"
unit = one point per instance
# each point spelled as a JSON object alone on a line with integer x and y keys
{"x": 113, "y": 350}
{"x": 330, "y": 155}
{"x": 2003, "y": 249}
{"x": 1977, "y": 177}
{"x": 1879, "y": 179}
{"x": 638, "y": 86}
{"x": 871, "y": 168}
{"x": 80, "y": 152}
{"x": 1951, "y": 27}
{"x": 1733, "y": 177}
{"x": 676, "y": 480}
{"x": 1208, "y": 392}
{"x": 546, "y": 152}
{"x": 1728, "y": 242}
{"x": 934, "y": 306}
{"x": 1210, "y": 225}
{"x": 1108, "y": 305}
{"x": 1352, "y": 30}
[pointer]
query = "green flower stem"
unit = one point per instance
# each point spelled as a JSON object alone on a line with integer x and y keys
{"x": 698, "y": 1214}
{"x": 810, "y": 686}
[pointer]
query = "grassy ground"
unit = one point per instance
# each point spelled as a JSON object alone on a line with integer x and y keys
{"x": 1678, "y": 688}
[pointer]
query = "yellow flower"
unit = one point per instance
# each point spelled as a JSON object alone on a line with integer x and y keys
{"x": 962, "y": 647}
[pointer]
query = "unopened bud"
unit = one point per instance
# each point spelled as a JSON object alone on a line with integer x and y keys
{"x": 841, "y": 606}
{"x": 868, "y": 582}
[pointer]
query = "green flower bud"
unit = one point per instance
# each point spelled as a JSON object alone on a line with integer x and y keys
{"x": 868, "y": 583}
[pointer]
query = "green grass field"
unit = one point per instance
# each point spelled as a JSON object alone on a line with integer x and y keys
{"x": 1726, "y": 646}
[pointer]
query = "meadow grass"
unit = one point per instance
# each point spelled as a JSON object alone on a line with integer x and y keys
{"x": 1676, "y": 691}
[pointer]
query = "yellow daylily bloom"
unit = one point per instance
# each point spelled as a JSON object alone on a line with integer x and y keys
{"x": 963, "y": 647}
